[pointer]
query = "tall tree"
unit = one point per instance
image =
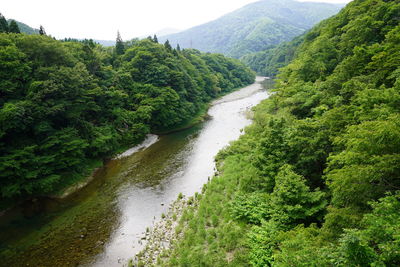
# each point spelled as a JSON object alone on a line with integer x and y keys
{"x": 119, "y": 45}
{"x": 168, "y": 45}
{"x": 3, "y": 24}
{"x": 41, "y": 30}
{"x": 155, "y": 39}
{"x": 13, "y": 27}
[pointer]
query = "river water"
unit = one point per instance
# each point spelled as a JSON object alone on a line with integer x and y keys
{"x": 102, "y": 224}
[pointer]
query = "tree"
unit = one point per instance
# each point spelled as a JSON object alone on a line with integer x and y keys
{"x": 178, "y": 47}
{"x": 292, "y": 200}
{"x": 119, "y": 45}
{"x": 155, "y": 39}
{"x": 13, "y": 27}
{"x": 41, "y": 30}
{"x": 168, "y": 45}
{"x": 3, "y": 24}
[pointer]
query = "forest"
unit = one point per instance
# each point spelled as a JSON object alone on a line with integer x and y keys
{"x": 269, "y": 61}
{"x": 315, "y": 180}
{"x": 67, "y": 105}
{"x": 253, "y": 27}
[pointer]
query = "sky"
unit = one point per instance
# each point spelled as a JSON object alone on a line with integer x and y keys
{"x": 101, "y": 19}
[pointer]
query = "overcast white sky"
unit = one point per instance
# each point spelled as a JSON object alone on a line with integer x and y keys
{"x": 100, "y": 19}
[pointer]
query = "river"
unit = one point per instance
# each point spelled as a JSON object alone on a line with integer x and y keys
{"x": 102, "y": 224}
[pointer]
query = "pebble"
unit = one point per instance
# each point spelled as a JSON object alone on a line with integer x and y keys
{"x": 161, "y": 235}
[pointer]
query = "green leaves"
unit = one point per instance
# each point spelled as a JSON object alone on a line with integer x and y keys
{"x": 315, "y": 179}
{"x": 64, "y": 104}
{"x": 369, "y": 164}
{"x": 292, "y": 201}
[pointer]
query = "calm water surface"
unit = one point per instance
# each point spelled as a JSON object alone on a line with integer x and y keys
{"x": 102, "y": 224}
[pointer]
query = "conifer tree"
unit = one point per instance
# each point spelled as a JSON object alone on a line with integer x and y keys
{"x": 119, "y": 45}
{"x": 41, "y": 30}
{"x": 155, "y": 39}
{"x": 3, "y": 24}
{"x": 13, "y": 27}
{"x": 178, "y": 47}
{"x": 167, "y": 45}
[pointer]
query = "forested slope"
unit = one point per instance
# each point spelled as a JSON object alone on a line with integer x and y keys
{"x": 315, "y": 179}
{"x": 65, "y": 106}
{"x": 269, "y": 61}
{"x": 254, "y": 27}
{"x": 24, "y": 28}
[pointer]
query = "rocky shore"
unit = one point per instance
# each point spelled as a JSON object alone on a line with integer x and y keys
{"x": 160, "y": 238}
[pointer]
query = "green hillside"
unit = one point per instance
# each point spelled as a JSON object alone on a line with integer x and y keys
{"x": 268, "y": 62}
{"x": 25, "y": 28}
{"x": 66, "y": 105}
{"x": 315, "y": 180}
{"x": 254, "y": 27}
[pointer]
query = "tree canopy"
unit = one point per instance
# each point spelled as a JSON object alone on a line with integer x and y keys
{"x": 67, "y": 103}
{"x": 315, "y": 180}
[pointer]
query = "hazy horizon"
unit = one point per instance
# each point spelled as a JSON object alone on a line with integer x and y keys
{"x": 102, "y": 19}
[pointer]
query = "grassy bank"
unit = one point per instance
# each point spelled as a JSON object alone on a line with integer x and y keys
{"x": 203, "y": 228}
{"x": 315, "y": 179}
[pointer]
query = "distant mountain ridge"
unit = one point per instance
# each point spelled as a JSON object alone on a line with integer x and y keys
{"x": 24, "y": 28}
{"x": 254, "y": 27}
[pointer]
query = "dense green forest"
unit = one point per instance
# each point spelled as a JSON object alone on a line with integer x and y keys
{"x": 9, "y": 26}
{"x": 269, "y": 61}
{"x": 315, "y": 180}
{"x": 66, "y": 105}
{"x": 254, "y": 27}
{"x": 25, "y": 28}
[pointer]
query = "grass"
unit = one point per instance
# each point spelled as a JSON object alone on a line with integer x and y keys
{"x": 210, "y": 235}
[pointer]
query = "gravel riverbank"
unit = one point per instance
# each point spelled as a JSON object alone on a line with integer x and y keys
{"x": 160, "y": 238}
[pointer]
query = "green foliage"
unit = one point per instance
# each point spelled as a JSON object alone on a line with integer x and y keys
{"x": 41, "y": 30}
{"x": 65, "y": 104}
{"x": 370, "y": 159}
{"x": 315, "y": 179}
{"x": 254, "y": 27}
{"x": 269, "y": 61}
{"x": 292, "y": 201}
{"x": 13, "y": 27}
{"x": 3, "y": 24}
{"x": 26, "y": 28}
{"x": 119, "y": 45}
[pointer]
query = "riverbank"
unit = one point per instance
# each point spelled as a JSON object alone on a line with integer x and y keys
{"x": 201, "y": 116}
{"x": 202, "y": 218}
{"x": 162, "y": 235}
{"x": 102, "y": 223}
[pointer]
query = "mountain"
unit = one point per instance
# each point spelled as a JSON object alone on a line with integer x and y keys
{"x": 269, "y": 61}
{"x": 254, "y": 27}
{"x": 161, "y": 32}
{"x": 105, "y": 42}
{"x": 25, "y": 28}
{"x": 167, "y": 31}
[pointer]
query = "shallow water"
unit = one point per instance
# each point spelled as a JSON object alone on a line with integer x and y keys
{"x": 103, "y": 224}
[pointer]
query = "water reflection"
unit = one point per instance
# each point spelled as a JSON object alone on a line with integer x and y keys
{"x": 102, "y": 224}
{"x": 183, "y": 162}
